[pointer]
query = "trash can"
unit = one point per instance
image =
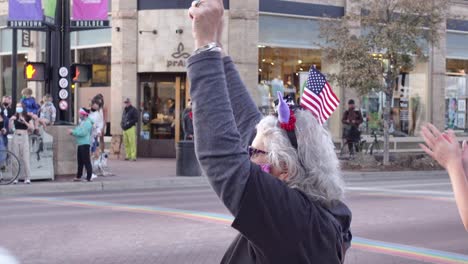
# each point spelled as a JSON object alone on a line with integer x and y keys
{"x": 187, "y": 163}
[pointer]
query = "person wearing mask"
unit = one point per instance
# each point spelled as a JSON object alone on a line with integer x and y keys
{"x": 6, "y": 106}
{"x": 48, "y": 112}
{"x": 22, "y": 125}
{"x": 98, "y": 126}
{"x": 82, "y": 134}
{"x": 278, "y": 175}
{"x": 352, "y": 119}
{"x": 99, "y": 99}
{"x": 128, "y": 124}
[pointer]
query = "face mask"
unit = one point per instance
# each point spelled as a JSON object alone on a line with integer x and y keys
{"x": 93, "y": 110}
{"x": 19, "y": 110}
{"x": 5, "y": 104}
{"x": 266, "y": 168}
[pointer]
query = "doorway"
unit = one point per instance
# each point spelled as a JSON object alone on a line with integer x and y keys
{"x": 162, "y": 99}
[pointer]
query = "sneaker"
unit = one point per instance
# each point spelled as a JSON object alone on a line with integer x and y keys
{"x": 133, "y": 159}
{"x": 27, "y": 181}
{"x": 90, "y": 180}
{"x": 77, "y": 179}
{"x": 127, "y": 159}
{"x": 94, "y": 176}
{"x": 15, "y": 182}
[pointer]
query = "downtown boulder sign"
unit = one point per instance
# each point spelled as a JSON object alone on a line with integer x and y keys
{"x": 31, "y": 14}
{"x": 90, "y": 14}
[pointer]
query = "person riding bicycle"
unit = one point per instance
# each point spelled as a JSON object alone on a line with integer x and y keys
{"x": 351, "y": 120}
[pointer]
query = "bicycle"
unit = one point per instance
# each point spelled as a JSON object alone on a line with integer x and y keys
{"x": 375, "y": 146}
{"x": 10, "y": 167}
{"x": 356, "y": 146}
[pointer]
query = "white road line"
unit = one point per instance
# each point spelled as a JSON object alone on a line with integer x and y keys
{"x": 410, "y": 185}
{"x": 433, "y": 193}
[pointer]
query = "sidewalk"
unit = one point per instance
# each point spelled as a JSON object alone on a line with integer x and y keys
{"x": 128, "y": 175}
{"x": 151, "y": 174}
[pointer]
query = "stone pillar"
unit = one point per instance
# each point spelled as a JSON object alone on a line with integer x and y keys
{"x": 334, "y": 123}
{"x": 243, "y": 41}
{"x": 352, "y": 8}
{"x": 124, "y": 59}
{"x": 437, "y": 72}
{"x": 64, "y": 149}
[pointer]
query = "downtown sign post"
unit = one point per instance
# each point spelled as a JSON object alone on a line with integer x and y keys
{"x": 58, "y": 18}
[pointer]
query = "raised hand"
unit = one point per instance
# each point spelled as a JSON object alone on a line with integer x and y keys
{"x": 443, "y": 147}
{"x": 206, "y": 17}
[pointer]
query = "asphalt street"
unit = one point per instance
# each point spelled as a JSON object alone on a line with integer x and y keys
{"x": 396, "y": 219}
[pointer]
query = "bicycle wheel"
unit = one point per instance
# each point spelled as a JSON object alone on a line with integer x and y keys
{"x": 375, "y": 148}
{"x": 10, "y": 167}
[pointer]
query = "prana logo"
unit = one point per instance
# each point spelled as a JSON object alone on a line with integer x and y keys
{"x": 180, "y": 52}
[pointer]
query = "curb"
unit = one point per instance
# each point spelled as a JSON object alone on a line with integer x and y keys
{"x": 168, "y": 182}
{"x": 100, "y": 186}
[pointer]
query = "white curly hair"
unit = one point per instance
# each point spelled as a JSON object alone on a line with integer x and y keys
{"x": 314, "y": 167}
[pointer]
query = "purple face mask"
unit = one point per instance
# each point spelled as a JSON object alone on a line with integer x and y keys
{"x": 266, "y": 168}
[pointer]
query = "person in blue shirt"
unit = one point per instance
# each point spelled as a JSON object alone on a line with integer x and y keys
{"x": 31, "y": 107}
{"x": 82, "y": 134}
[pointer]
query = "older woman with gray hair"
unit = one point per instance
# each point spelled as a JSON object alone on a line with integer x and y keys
{"x": 285, "y": 192}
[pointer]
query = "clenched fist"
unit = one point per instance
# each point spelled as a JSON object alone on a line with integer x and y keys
{"x": 206, "y": 18}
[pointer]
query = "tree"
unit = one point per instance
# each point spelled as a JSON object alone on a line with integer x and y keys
{"x": 385, "y": 39}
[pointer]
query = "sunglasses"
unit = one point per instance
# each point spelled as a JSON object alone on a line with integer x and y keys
{"x": 253, "y": 151}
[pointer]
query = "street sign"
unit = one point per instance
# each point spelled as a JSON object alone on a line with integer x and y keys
{"x": 63, "y": 72}
{"x": 63, "y": 105}
{"x": 26, "y": 38}
{"x": 63, "y": 83}
{"x": 63, "y": 94}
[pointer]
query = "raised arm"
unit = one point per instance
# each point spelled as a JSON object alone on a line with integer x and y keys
{"x": 245, "y": 110}
{"x": 217, "y": 141}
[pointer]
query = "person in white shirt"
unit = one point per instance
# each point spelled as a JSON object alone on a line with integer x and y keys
{"x": 98, "y": 121}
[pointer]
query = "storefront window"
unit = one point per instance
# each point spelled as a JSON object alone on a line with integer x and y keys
{"x": 284, "y": 70}
{"x": 456, "y": 95}
{"x": 6, "y": 75}
{"x": 100, "y": 58}
{"x": 159, "y": 99}
{"x": 408, "y": 106}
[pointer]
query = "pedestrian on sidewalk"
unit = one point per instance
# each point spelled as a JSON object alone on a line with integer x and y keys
{"x": 446, "y": 150}
{"x": 98, "y": 126}
{"x": 128, "y": 124}
{"x": 187, "y": 125}
{"x": 22, "y": 125}
{"x": 48, "y": 112}
{"x": 352, "y": 119}
{"x": 82, "y": 134}
{"x": 285, "y": 192}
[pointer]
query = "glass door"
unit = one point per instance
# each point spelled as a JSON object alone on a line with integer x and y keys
{"x": 162, "y": 96}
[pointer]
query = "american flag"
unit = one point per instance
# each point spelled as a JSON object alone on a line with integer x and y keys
{"x": 318, "y": 96}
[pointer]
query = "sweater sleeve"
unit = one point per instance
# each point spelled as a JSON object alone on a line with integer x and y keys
{"x": 245, "y": 110}
{"x": 217, "y": 142}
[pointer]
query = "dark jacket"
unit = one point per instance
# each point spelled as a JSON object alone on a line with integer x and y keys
{"x": 277, "y": 224}
{"x": 129, "y": 117}
{"x": 187, "y": 125}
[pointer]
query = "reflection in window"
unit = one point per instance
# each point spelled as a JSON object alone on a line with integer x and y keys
{"x": 456, "y": 95}
{"x": 100, "y": 58}
{"x": 158, "y": 110}
{"x": 284, "y": 70}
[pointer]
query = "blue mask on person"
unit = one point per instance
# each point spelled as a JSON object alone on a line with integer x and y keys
{"x": 19, "y": 110}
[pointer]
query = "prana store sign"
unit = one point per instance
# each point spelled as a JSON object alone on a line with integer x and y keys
{"x": 179, "y": 57}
